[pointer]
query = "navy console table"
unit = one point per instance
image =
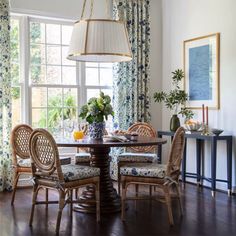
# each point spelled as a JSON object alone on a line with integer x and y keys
{"x": 200, "y": 139}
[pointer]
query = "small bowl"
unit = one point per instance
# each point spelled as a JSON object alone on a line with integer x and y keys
{"x": 217, "y": 132}
{"x": 193, "y": 127}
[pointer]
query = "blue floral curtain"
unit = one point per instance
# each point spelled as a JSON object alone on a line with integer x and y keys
{"x": 5, "y": 98}
{"x": 132, "y": 79}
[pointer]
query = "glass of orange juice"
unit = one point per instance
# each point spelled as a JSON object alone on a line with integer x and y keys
{"x": 78, "y": 134}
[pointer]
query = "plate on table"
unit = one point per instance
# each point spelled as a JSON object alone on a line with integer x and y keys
{"x": 115, "y": 138}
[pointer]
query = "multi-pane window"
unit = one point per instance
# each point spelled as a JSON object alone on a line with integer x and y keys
{"x": 53, "y": 78}
{"x": 15, "y": 72}
{"x": 53, "y": 88}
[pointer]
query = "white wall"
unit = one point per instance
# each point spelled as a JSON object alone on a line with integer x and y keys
{"x": 189, "y": 19}
{"x": 156, "y": 60}
{"x": 70, "y": 9}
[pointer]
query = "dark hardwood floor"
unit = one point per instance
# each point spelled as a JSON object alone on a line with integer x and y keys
{"x": 203, "y": 215}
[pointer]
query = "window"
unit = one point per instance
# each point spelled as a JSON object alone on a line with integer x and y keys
{"x": 52, "y": 88}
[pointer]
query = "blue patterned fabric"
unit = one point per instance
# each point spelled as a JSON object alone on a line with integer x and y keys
{"x": 5, "y": 98}
{"x": 76, "y": 172}
{"x": 137, "y": 157}
{"x": 132, "y": 79}
{"x": 24, "y": 162}
{"x": 144, "y": 170}
{"x": 82, "y": 157}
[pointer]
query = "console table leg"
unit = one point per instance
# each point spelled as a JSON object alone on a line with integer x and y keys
{"x": 198, "y": 156}
{"x": 159, "y": 151}
{"x": 183, "y": 172}
{"x": 229, "y": 165}
{"x": 213, "y": 166}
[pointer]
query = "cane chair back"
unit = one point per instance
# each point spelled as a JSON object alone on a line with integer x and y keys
{"x": 145, "y": 130}
{"x": 20, "y": 136}
{"x": 45, "y": 155}
{"x": 176, "y": 154}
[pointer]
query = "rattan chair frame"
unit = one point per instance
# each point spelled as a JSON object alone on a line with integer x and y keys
{"x": 170, "y": 182}
{"x": 19, "y": 140}
{"x": 47, "y": 173}
{"x": 142, "y": 129}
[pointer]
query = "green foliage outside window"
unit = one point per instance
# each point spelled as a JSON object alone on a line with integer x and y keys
{"x": 56, "y": 112}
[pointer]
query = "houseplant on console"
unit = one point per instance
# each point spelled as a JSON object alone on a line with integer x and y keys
{"x": 175, "y": 100}
{"x": 95, "y": 112}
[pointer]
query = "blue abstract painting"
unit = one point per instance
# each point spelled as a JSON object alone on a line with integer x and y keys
{"x": 200, "y": 76}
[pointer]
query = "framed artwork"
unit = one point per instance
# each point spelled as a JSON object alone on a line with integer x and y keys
{"x": 201, "y": 68}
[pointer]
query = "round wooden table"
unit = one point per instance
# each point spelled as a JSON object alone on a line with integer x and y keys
{"x": 99, "y": 149}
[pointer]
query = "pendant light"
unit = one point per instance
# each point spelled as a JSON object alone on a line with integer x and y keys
{"x": 99, "y": 40}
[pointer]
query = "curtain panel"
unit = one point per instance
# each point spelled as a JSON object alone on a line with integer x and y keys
{"x": 5, "y": 98}
{"x": 132, "y": 79}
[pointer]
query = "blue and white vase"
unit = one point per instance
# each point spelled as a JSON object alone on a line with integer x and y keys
{"x": 96, "y": 130}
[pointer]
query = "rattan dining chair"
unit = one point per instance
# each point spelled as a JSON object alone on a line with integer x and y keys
{"x": 164, "y": 177}
{"x": 48, "y": 173}
{"x": 20, "y": 136}
{"x": 140, "y": 154}
{"x": 21, "y": 162}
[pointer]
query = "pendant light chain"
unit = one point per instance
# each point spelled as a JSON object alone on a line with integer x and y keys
{"x": 84, "y": 5}
{"x": 91, "y": 9}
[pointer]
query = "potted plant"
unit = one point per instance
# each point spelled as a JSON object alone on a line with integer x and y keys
{"x": 175, "y": 100}
{"x": 95, "y": 112}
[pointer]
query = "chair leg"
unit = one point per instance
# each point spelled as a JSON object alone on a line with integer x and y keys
{"x": 71, "y": 201}
{"x": 168, "y": 203}
{"x": 34, "y": 198}
{"x": 61, "y": 206}
{"x": 150, "y": 190}
{"x": 118, "y": 178}
{"x": 16, "y": 178}
{"x": 123, "y": 198}
{"x": 46, "y": 197}
{"x": 98, "y": 201}
{"x": 136, "y": 195}
{"x": 179, "y": 199}
{"x": 76, "y": 193}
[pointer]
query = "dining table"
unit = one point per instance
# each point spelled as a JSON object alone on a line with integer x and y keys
{"x": 100, "y": 157}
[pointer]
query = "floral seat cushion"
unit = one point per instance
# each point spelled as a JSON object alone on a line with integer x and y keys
{"x": 144, "y": 170}
{"x": 24, "y": 162}
{"x": 82, "y": 157}
{"x": 76, "y": 172}
{"x": 137, "y": 157}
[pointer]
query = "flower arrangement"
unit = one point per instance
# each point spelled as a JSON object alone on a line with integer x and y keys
{"x": 176, "y": 98}
{"x": 97, "y": 109}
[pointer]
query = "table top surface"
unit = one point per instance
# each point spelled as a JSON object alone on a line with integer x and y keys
{"x": 197, "y": 135}
{"x": 86, "y": 142}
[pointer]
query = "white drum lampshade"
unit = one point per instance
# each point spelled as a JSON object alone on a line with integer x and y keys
{"x": 99, "y": 40}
